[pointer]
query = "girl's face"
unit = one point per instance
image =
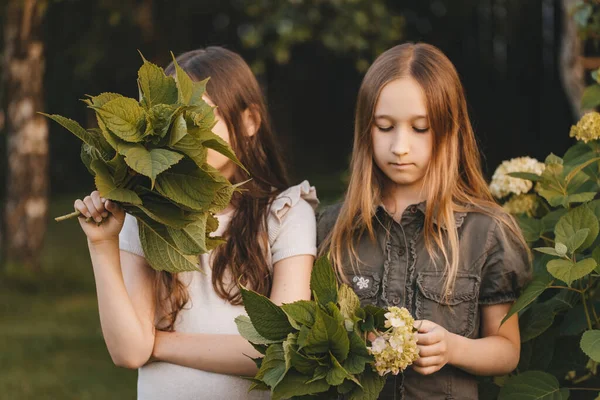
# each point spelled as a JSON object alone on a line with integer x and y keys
{"x": 402, "y": 138}
{"x": 215, "y": 159}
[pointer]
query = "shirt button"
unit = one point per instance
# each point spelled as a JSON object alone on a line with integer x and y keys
{"x": 401, "y": 251}
{"x": 413, "y": 209}
{"x": 395, "y": 300}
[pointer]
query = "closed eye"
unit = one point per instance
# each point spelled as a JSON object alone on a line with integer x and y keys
{"x": 385, "y": 128}
{"x": 420, "y": 130}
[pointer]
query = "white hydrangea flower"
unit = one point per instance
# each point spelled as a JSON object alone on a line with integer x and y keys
{"x": 396, "y": 348}
{"x": 378, "y": 345}
{"x": 503, "y": 185}
{"x": 588, "y": 127}
{"x": 522, "y": 204}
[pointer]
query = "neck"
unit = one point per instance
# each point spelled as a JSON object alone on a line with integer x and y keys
{"x": 396, "y": 198}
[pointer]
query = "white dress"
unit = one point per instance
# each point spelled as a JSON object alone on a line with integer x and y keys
{"x": 292, "y": 231}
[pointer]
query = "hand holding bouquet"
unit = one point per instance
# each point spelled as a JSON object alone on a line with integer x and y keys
{"x": 318, "y": 348}
{"x": 149, "y": 156}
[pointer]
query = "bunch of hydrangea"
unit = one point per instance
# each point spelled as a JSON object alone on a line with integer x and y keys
{"x": 502, "y": 184}
{"x": 522, "y": 204}
{"x": 588, "y": 127}
{"x": 396, "y": 348}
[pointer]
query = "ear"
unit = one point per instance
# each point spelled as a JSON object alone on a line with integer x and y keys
{"x": 251, "y": 119}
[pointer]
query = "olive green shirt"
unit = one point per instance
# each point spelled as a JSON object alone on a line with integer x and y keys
{"x": 397, "y": 270}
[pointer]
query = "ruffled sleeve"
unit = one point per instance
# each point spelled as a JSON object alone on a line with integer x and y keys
{"x": 292, "y": 224}
{"x": 129, "y": 238}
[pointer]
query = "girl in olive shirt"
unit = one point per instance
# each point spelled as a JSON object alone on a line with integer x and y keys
{"x": 418, "y": 227}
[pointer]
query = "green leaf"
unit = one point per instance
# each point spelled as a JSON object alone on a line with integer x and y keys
{"x": 212, "y": 141}
{"x": 323, "y": 281}
{"x": 268, "y": 319}
{"x": 358, "y": 356}
{"x": 202, "y": 116}
{"x": 196, "y": 192}
{"x": 155, "y": 86}
{"x": 91, "y": 138}
{"x": 178, "y": 130}
{"x": 550, "y": 220}
{"x": 165, "y": 212}
{"x": 301, "y": 311}
{"x": 349, "y": 301}
{"x": 161, "y": 253}
{"x": 575, "y": 321}
{"x": 535, "y": 321}
{"x": 151, "y": 163}
{"x": 590, "y": 344}
{"x": 296, "y": 384}
{"x": 372, "y": 384}
{"x": 303, "y": 364}
{"x": 591, "y": 97}
{"x": 533, "y": 385}
{"x": 578, "y": 218}
{"x": 532, "y": 228}
{"x": 378, "y": 315}
{"x": 192, "y": 148}
{"x": 190, "y": 92}
{"x": 575, "y": 241}
{"x": 123, "y": 117}
{"x": 549, "y": 250}
{"x": 327, "y": 335}
{"x": 525, "y": 175}
{"x": 272, "y": 368}
{"x": 337, "y": 374}
{"x": 537, "y": 286}
{"x": 108, "y": 189}
{"x": 159, "y": 119}
{"x": 248, "y": 332}
{"x": 567, "y": 271}
{"x": 191, "y": 239}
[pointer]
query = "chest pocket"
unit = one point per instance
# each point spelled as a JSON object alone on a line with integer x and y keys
{"x": 366, "y": 286}
{"x": 456, "y": 312}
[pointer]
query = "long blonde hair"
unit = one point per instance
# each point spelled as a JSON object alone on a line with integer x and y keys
{"x": 454, "y": 180}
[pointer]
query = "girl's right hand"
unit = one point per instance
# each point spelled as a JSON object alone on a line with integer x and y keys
{"x": 99, "y": 209}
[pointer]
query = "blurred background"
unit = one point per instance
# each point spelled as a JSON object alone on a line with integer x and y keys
{"x": 524, "y": 65}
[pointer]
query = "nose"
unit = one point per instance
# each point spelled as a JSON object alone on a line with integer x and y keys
{"x": 400, "y": 143}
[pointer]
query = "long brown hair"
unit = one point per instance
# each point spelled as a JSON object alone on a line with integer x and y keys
{"x": 233, "y": 88}
{"x": 454, "y": 180}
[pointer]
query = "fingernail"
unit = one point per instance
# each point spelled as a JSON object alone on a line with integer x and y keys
{"x": 102, "y": 199}
{"x": 104, "y": 214}
{"x": 98, "y": 219}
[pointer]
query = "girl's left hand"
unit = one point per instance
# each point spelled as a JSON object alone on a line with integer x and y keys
{"x": 434, "y": 343}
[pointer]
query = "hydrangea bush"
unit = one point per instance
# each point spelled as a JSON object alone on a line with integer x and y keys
{"x": 557, "y": 206}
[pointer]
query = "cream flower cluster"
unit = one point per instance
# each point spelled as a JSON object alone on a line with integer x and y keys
{"x": 588, "y": 127}
{"x": 396, "y": 348}
{"x": 503, "y": 185}
{"x": 522, "y": 204}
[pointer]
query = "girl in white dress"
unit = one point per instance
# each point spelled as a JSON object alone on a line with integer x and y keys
{"x": 179, "y": 329}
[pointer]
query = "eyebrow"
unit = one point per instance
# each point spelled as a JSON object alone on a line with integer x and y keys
{"x": 393, "y": 119}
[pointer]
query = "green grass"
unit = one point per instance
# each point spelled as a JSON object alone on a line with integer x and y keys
{"x": 51, "y": 345}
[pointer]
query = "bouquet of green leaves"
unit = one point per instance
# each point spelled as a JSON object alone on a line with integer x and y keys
{"x": 150, "y": 157}
{"x": 318, "y": 349}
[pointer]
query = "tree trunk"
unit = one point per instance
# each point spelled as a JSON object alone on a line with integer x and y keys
{"x": 27, "y": 134}
{"x": 571, "y": 67}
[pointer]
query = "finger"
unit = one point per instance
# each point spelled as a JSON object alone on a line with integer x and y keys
{"x": 98, "y": 203}
{"x": 425, "y": 370}
{"x": 424, "y": 325}
{"x": 81, "y": 207}
{"x": 92, "y": 209}
{"x": 431, "y": 350}
{"x": 371, "y": 336}
{"x": 428, "y": 361}
{"x": 426, "y": 339}
{"x": 115, "y": 209}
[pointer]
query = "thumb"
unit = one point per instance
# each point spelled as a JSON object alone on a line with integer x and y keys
{"x": 424, "y": 326}
{"x": 115, "y": 209}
